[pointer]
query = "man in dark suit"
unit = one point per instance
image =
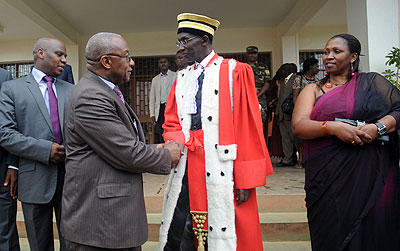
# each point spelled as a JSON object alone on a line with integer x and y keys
{"x": 67, "y": 75}
{"x": 103, "y": 202}
{"x": 31, "y": 127}
{"x": 8, "y": 202}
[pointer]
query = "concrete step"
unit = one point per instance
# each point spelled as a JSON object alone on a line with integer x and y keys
{"x": 153, "y": 246}
{"x": 266, "y": 203}
{"x": 274, "y": 226}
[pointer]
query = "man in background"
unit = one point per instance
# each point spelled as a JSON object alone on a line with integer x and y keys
{"x": 160, "y": 87}
{"x": 261, "y": 77}
{"x": 67, "y": 75}
{"x": 8, "y": 192}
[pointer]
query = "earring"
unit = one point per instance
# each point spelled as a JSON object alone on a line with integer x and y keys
{"x": 326, "y": 74}
{"x": 352, "y": 69}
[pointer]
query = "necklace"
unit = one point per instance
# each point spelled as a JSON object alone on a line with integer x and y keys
{"x": 329, "y": 85}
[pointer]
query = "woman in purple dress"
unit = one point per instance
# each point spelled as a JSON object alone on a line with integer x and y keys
{"x": 350, "y": 122}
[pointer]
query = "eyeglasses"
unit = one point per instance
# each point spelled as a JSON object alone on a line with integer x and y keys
{"x": 184, "y": 41}
{"x": 129, "y": 57}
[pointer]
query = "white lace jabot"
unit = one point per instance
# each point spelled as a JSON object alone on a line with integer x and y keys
{"x": 190, "y": 104}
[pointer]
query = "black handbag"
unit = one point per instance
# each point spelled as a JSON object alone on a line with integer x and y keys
{"x": 288, "y": 105}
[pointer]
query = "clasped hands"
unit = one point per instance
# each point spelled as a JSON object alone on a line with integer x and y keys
{"x": 352, "y": 134}
{"x": 175, "y": 149}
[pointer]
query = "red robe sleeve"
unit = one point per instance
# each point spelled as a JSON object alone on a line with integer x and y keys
{"x": 172, "y": 127}
{"x": 252, "y": 164}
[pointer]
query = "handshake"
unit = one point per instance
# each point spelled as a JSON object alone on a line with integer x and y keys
{"x": 175, "y": 149}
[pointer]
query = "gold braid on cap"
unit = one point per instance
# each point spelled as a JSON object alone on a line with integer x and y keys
{"x": 197, "y": 22}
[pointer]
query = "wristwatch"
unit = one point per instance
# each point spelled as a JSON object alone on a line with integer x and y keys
{"x": 381, "y": 128}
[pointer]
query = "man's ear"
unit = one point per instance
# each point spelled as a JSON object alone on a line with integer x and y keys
{"x": 205, "y": 40}
{"x": 40, "y": 53}
{"x": 105, "y": 62}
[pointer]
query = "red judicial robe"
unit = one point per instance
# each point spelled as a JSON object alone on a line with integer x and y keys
{"x": 228, "y": 153}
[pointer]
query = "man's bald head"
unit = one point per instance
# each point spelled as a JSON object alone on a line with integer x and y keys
{"x": 50, "y": 56}
{"x": 100, "y": 44}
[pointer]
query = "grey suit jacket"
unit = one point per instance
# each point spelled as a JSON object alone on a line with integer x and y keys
{"x": 5, "y": 158}
{"x": 103, "y": 202}
{"x": 26, "y": 131}
{"x": 155, "y": 93}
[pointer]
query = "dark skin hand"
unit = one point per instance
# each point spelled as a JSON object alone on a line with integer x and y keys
{"x": 57, "y": 153}
{"x": 153, "y": 120}
{"x": 242, "y": 195}
{"x": 11, "y": 178}
{"x": 175, "y": 150}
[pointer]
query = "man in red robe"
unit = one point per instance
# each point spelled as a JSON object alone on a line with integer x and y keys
{"x": 213, "y": 113}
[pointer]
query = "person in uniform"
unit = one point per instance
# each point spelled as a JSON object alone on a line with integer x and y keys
{"x": 261, "y": 78}
{"x": 213, "y": 112}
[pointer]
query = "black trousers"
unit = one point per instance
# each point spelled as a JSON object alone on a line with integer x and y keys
{"x": 160, "y": 122}
{"x": 39, "y": 219}
{"x": 8, "y": 212}
{"x": 181, "y": 234}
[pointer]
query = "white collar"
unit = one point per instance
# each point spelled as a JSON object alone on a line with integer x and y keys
{"x": 206, "y": 60}
{"x": 38, "y": 75}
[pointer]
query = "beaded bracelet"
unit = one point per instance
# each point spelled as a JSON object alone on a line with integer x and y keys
{"x": 324, "y": 128}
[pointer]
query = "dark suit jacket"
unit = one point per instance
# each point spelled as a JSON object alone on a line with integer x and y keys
{"x": 66, "y": 74}
{"x": 103, "y": 202}
{"x": 5, "y": 158}
{"x": 26, "y": 131}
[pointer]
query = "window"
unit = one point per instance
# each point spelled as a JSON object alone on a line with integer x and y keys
{"x": 18, "y": 70}
{"x": 303, "y": 55}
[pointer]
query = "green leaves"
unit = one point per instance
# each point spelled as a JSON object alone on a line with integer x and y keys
{"x": 393, "y": 59}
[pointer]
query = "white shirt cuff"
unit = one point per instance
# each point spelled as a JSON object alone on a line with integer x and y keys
{"x": 13, "y": 167}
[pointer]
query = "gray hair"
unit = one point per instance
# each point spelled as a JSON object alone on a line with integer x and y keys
{"x": 100, "y": 44}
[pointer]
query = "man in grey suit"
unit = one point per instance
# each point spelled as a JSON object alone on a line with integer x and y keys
{"x": 8, "y": 203}
{"x": 159, "y": 91}
{"x": 103, "y": 202}
{"x": 31, "y": 127}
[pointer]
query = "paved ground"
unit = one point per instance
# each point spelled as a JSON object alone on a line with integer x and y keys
{"x": 285, "y": 180}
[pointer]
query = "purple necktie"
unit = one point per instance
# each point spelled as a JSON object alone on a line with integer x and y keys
{"x": 55, "y": 121}
{"x": 119, "y": 93}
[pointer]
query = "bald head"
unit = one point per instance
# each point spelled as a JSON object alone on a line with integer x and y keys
{"x": 100, "y": 44}
{"x": 50, "y": 56}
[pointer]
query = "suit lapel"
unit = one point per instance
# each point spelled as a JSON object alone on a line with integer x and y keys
{"x": 61, "y": 102}
{"x": 33, "y": 87}
{"x": 128, "y": 110}
{"x": 139, "y": 129}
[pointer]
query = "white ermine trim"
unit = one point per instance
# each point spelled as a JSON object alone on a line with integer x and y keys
{"x": 171, "y": 195}
{"x": 232, "y": 66}
{"x": 227, "y": 152}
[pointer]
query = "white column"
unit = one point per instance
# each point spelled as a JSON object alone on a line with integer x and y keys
{"x": 376, "y": 25}
{"x": 290, "y": 49}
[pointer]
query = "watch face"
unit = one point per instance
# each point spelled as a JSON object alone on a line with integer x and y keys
{"x": 381, "y": 128}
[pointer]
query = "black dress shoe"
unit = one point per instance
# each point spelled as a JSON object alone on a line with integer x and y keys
{"x": 281, "y": 164}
